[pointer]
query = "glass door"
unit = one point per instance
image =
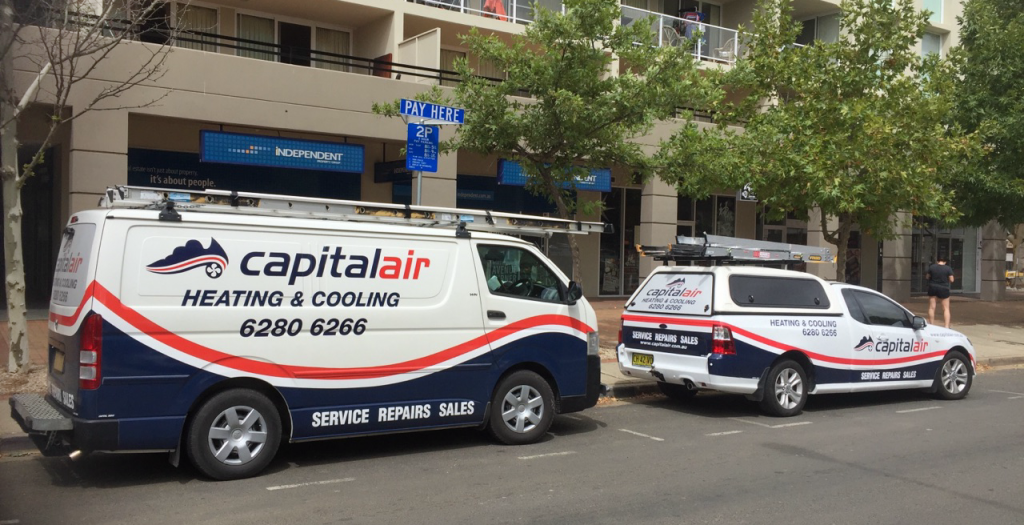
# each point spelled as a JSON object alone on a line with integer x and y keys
{"x": 619, "y": 260}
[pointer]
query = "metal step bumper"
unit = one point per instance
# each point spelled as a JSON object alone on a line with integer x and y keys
{"x": 37, "y": 414}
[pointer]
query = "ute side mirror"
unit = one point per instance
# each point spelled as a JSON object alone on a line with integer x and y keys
{"x": 574, "y": 293}
{"x": 918, "y": 323}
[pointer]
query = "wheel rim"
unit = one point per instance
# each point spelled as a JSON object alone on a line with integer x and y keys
{"x": 789, "y": 388}
{"x": 954, "y": 376}
{"x": 522, "y": 409}
{"x": 237, "y": 435}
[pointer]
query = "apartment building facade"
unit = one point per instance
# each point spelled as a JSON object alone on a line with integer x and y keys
{"x": 247, "y": 79}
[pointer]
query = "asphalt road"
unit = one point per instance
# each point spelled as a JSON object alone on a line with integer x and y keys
{"x": 867, "y": 458}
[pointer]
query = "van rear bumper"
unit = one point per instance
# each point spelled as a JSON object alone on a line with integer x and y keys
{"x": 55, "y": 433}
{"x": 576, "y": 403}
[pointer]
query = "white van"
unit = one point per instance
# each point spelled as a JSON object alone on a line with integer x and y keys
{"x": 221, "y": 324}
{"x": 780, "y": 335}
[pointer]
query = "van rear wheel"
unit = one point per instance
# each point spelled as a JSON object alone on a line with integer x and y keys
{"x": 234, "y": 434}
{"x": 785, "y": 389}
{"x": 522, "y": 409}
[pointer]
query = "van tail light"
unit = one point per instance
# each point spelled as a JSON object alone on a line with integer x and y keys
{"x": 91, "y": 353}
{"x": 721, "y": 340}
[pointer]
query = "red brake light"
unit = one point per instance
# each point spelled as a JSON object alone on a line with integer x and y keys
{"x": 721, "y": 340}
{"x": 91, "y": 353}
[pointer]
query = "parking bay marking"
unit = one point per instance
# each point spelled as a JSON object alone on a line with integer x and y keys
{"x": 765, "y": 425}
{"x": 566, "y": 453}
{"x": 724, "y": 433}
{"x": 915, "y": 410}
{"x": 1016, "y": 395}
{"x": 641, "y": 435}
{"x": 311, "y": 483}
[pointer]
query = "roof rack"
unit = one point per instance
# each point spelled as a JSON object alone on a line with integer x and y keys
{"x": 246, "y": 203}
{"x": 719, "y": 249}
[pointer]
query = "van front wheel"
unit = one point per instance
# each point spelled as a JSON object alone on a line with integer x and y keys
{"x": 234, "y": 434}
{"x": 522, "y": 409}
{"x": 785, "y": 389}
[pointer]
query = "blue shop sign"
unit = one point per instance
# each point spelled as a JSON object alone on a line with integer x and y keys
{"x": 510, "y": 173}
{"x": 276, "y": 152}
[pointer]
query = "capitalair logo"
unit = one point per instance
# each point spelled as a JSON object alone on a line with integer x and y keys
{"x": 901, "y": 346}
{"x": 678, "y": 282}
{"x": 192, "y": 256}
{"x": 674, "y": 288}
{"x": 865, "y": 344}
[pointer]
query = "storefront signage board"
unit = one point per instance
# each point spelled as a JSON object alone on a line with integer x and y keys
{"x": 278, "y": 152}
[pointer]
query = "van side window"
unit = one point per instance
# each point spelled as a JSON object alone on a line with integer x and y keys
{"x": 516, "y": 272}
{"x": 881, "y": 311}
{"x": 777, "y": 292}
{"x": 854, "y": 307}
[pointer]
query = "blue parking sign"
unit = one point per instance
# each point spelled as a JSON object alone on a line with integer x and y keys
{"x": 421, "y": 148}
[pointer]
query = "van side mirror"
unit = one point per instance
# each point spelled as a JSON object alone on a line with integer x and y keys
{"x": 574, "y": 293}
{"x": 918, "y": 323}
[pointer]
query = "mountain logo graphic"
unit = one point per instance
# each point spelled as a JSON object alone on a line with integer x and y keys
{"x": 192, "y": 256}
{"x": 678, "y": 282}
{"x": 865, "y": 344}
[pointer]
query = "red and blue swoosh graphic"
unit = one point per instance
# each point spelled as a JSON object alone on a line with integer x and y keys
{"x": 192, "y": 255}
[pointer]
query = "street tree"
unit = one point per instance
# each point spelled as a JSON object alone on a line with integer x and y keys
{"x": 855, "y": 128}
{"x": 580, "y": 92}
{"x": 47, "y": 49}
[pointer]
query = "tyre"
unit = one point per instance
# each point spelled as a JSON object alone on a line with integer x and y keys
{"x": 785, "y": 389}
{"x": 522, "y": 409}
{"x": 677, "y": 392}
{"x": 234, "y": 434}
{"x": 953, "y": 379}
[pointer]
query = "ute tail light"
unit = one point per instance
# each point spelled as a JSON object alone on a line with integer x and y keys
{"x": 721, "y": 340}
{"x": 90, "y": 353}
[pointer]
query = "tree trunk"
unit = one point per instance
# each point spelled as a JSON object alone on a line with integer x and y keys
{"x": 14, "y": 280}
{"x": 563, "y": 213}
{"x": 842, "y": 243}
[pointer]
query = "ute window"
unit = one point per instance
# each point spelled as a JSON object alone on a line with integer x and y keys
{"x": 683, "y": 293}
{"x": 881, "y": 311}
{"x": 756, "y": 291}
{"x": 516, "y": 272}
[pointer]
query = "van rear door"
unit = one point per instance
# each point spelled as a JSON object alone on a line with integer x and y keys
{"x": 70, "y": 303}
{"x": 669, "y": 315}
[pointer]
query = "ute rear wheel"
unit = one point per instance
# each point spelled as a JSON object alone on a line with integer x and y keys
{"x": 522, "y": 408}
{"x": 234, "y": 434}
{"x": 953, "y": 379}
{"x": 785, "y": 389}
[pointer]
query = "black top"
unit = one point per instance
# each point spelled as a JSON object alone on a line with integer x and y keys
{"x": 938, "y": 274}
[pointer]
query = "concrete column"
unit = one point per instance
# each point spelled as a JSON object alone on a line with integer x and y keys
{"x": 98, "y": 156}
{"x": 993, "y": 262}
{"x": 896, "y": 262}
{"x": 657, "y": 220}
{"x": 816, "y": 237}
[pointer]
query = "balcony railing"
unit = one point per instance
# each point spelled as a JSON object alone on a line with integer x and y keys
{"x": 518, "y": 11}
{"x": 712, "y": 43}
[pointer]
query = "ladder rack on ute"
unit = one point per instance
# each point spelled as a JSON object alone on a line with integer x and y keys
{"x": 246, "y": 203}
{"x": 731, "y": 250}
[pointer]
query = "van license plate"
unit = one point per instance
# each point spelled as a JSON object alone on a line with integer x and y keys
{"x": 58, "y": 361}
{"x": 643, "y": 360}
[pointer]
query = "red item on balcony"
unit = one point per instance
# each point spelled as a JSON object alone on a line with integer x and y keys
{"x": 495, "y": 9}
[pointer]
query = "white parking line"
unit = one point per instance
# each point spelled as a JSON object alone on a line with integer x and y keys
{"x": 765, "y": 425}
{"x": 566, "y": 453}
{"x": 10, "y": 522}
{"x": 641, "y": 435}
{"x": 1016, "y": 397}
{"x": 574, "y": 418}
{"x": 725, "y": 433}
{"x": 916, "y": 410}
{"x": 297, "y": 485}
{"x": 1011, "y": 393}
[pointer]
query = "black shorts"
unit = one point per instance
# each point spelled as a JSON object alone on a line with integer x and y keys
{"x": 934, "y": 290}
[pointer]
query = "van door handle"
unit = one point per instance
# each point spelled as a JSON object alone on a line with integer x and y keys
{"x": 883, "y": 338}
{"x": 495, "y": 314}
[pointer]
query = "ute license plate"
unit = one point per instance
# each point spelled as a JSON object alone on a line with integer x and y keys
{"x": 58, "y": 361}
{"x": 643, "y": 360}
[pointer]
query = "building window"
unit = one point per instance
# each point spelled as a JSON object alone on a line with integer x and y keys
{"x": 931, "y": 43}
{"x": 715, "y": 215}
{"x": 448, "y": 58}
{"x": 197, "y": 26}
{"x": 256, "y": 30}
{"x": 935, "y": 6}
{"x": 335, "y": 43}
{"x": 821, "y": 28}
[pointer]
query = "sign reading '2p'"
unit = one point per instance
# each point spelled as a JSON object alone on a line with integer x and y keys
{"x": 421, "y": 148}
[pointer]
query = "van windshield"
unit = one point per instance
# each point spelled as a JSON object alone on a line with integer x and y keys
{"x": 686, "y": 293}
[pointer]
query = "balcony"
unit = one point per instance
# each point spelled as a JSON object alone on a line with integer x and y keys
{"x": 716, "y": 44}
{"x": 516, "y": 11}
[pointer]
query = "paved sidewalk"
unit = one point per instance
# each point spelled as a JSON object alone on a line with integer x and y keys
{"x": 996, "y": 329}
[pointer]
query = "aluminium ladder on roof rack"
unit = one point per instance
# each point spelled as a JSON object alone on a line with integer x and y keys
{"x": 732, "y": 250}
{"x": 221, "y": 201}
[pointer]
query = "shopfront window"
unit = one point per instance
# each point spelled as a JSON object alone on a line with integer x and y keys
{"x": 620, "y": 262}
